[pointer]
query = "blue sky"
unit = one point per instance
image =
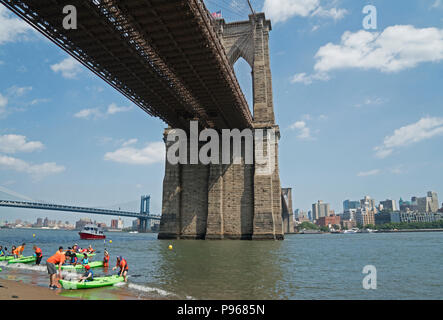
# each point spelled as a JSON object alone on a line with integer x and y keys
{"x": 360, "y": 111}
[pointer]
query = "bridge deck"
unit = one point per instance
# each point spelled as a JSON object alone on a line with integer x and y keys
{"x": 165, "y": 56}
{"x": 57, "y": 207}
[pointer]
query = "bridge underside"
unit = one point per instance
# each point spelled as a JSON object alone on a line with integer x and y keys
{"x": 165, "y": 56}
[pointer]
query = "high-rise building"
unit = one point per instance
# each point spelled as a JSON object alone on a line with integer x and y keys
{"x": 117, "y": 224}
{"x": 301, "y": 216}
{"x": 433, "y": 201}
{"x": 82, "y": 222}
{"x": 367, "y": 203}
{"x": 39, "y": 222}
{"x": 349, "y": 204}
{"x": 320, "y": 209}
{"x": 349, "y": 214}
{"x": 389, "y": 205}
{"x": 365, "y": 217}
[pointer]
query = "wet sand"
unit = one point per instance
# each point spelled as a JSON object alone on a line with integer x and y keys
{"x": 17, "y": 290}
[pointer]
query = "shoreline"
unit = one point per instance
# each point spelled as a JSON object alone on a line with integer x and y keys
{"x": 19, "y": 290}
{"x": 378, "y": 231}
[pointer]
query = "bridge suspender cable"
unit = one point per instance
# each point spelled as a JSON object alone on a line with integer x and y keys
{"x": 250, "y": 6}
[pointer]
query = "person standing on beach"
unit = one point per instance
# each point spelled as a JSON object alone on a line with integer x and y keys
{"x": 38, "y": 254}
{"x": 19, "y": 251}
{"x": 57, "y": 258}
{"x": 124, "y": 268}
{"x": 106, "y": 259}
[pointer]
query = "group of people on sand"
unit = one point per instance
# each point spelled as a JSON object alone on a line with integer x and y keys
{"x": 59, "y": 258}
{"x": 62, "y": 257}
{"x": 17, "y": 252}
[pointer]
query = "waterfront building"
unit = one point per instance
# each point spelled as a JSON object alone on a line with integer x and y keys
{"x": 365, "y": 216}
{"x": 81, "y": 223}
{"x": 348, "y": 204}
{"x": 388, "y": 205}
{"x": 320, "y": 209}
{"x": 367, "y": 203}
{"x": 301, "y": 216}
{"x": 433, "y": 202}
{"x": 348, "y": 224}
{"x": 349, "y": 214}
{"x": 417, "y": 216}
{"x": 328, "y": 221}
{"x": 117, "y": 223}
{"x": 405, "y": 205}
{"x": 387, "y": 217}
{"x": 310, "y": 215}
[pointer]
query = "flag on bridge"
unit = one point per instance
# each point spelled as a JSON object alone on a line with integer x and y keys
{"x": 217, "y": 15}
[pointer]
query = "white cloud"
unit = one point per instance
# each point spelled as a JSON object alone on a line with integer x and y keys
{"x": 368, "y": 173}
{"x": 3, "y": 103}
{"x": 304, "y": 133}
{"x": 37, "y": 171}
{"x": 395, "y": 49}
{"x": 424, "y": 129}
{"x": 88, "y": 113}
{"x": 113, "y": 108}
{"x": 18, "y": 91}
{"x": 12, "y": 143}
{"x": 129, "y": 142}
{"x": 437, "y": 4}
{"x": 12, "y": 29}
{"x": 68, "y": 67}
{"x": 98, "y": 113}
{"x": 282, "y": 10}
{"x": 152, "y": 153}
{"x": 334, "y": 13}
{"x": 371, "y": 102}
{"x": 308, "y": 79}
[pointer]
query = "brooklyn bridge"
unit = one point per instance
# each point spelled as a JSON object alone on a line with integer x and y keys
{"x": 175, "y": 61}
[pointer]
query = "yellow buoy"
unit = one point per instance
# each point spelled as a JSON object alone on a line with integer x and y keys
{"x": 170, "y": 247}
{"x": 110, "y": 241}
{"x": 33, "y": 235}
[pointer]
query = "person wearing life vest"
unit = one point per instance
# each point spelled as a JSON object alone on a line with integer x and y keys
{"x": 58, "y": 258}
{"x": 106, "y": 259}
{"x": 2, "y": 252}
{"x": 18, "y": 252}
{"x": 85, "y": 259}
{"x": 90, "y": 249}
{"x": 88, "y": 275}
{"x": 123, "y": 265}
{"x": 38, "y": 254}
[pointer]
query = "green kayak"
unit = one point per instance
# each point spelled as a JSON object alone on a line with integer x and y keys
{"x": 94, "y": 264}
{"x": 28, "y": 259}
{"x": 6, "y": 258}
{"x": 96, "y": 283}
{"x": 80, "y": 255}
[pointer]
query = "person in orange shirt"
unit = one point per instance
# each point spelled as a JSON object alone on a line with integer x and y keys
{"x": 57, "y": 258}
{"x": 19, "y": 251}
{"x": 38, "y": 254}
{"x": 106, "y": 259}
{"x": 123, "y": 265}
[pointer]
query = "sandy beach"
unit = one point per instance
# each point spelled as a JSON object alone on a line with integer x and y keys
{"x": 17, "y": 290}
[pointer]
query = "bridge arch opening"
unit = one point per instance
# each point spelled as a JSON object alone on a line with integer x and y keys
{"x": 243, "y": 72}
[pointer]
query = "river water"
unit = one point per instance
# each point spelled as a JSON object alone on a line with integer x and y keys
{"x": 310, "y": 266}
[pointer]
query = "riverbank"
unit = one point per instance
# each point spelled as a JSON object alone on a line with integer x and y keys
{"x": 17, "y": 290}
{"x": 410, "y": 230}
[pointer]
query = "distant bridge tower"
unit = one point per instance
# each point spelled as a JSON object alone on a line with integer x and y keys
{"x": 230, "y": 201}
{"x": 144, "y": 209}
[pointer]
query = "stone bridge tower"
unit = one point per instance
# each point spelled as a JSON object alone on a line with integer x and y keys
{"x": 234, "y": 201}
